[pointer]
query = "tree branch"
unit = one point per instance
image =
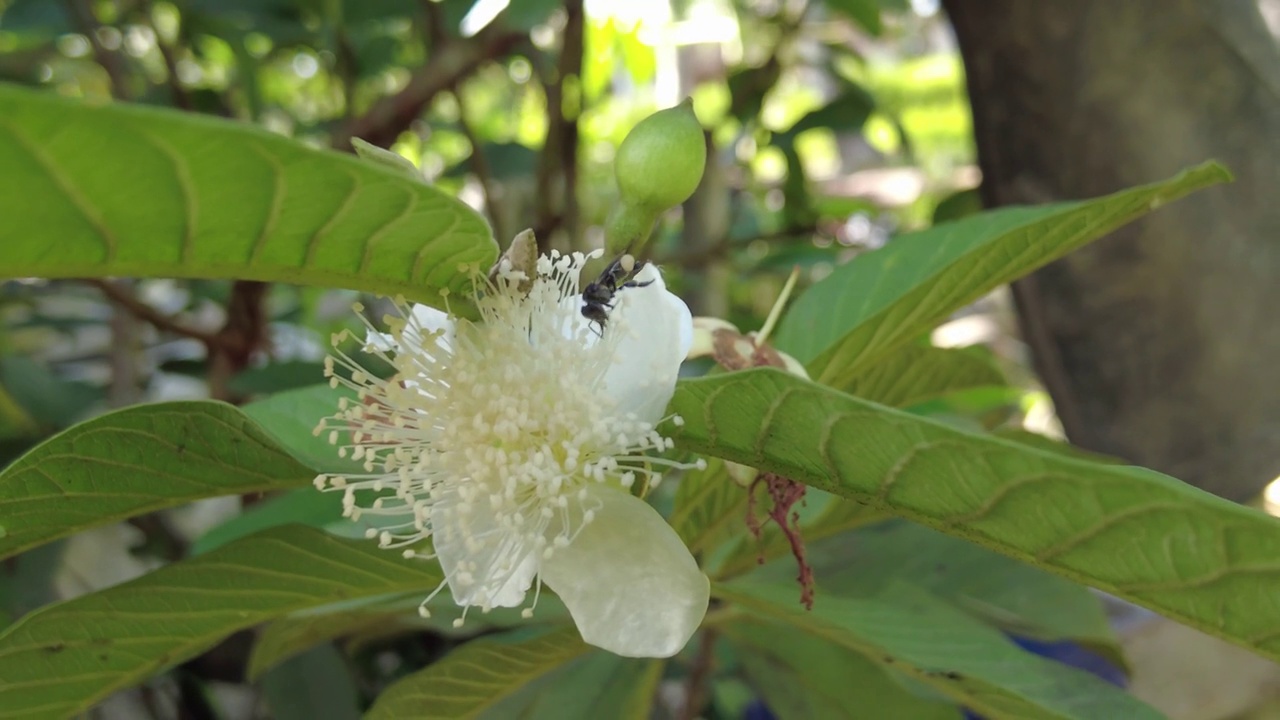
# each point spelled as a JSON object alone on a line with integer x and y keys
{"x": 123, "y": 298}
{"x": 480, "y": 166}
{"x": 451, "y": 61}
{"x": 112, "y": 62}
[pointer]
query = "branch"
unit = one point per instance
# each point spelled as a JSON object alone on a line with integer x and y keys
{"x": 557, "y": 173}
{"x": 81, "y": 12}
{"x": 123, "y": 298}
{"x": 695, "y": 689}
{"x": 452, "y": 61}
{"x": 480, "y": 166}
{"x": 181, "y": 98}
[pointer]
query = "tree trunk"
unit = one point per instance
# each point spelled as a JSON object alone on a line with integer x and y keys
{"x": 1160, "y": 344}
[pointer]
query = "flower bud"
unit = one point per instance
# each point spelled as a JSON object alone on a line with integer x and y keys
{"x": 660, "y": 162}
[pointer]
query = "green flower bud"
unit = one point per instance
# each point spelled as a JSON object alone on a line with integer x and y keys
{"x": 660, "y": 162}
{"x": 658, "y": 166}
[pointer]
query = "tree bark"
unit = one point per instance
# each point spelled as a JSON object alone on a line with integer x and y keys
{"x": 1160, "y": 344}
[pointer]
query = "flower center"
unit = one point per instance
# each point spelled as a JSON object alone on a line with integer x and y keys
{"x": 489, "y": 433}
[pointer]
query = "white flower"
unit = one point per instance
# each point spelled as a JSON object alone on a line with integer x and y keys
{"x": 513, "y": 442}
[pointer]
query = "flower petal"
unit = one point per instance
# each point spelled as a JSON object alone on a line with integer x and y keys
{"x": 481, "y": 564}
{"x": 628, "y": 580}
{"x": 423, "y": 320}
{"x": 657, "y": 332}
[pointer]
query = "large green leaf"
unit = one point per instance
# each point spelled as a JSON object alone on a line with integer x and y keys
{"x": 291, "y": 418}
{"x": 595, "y": 685}
{"x": 915, "y": 374}
{"x": 1134, "y": 532}
{"x": 383, "y": 616}
{"x": 317, "y": 684}
{"x": 903, "y": 627}
{"x": 480, "y": 674}
{"x": 706, "y": 506}
{"x": 91, "y": 190}
{"x": 847, "y": 322}
{"x": 802, "y": 676}
{"x": 710, "y": 505}
{"x": 1011, "y": 595}
{"x": 60, "y": 660}
{"x": 134, "y": 461}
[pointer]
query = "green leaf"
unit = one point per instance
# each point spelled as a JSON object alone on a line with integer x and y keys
{"x": 93, "y": 190}
{"x": 1048, "y": 444}
{"x": 838, "y": 515}
{"x": 383, "y": 616}
{"x": 134, "y": 461}
{"x": 905, "y": 628}
{"x": 864, "y": 12}
{"x": 288, "y": 636}
{"x": 596, "y": 685}
{"x": 291, "y": 418}
{"x": 878, "y": 301}
{"x": 1133, "y": 532}
{"x": 52, "y": 402}
{"x": 803, "y": 676}
{"x": 304, "y": 506}
{"x": 915, "y": 374}
{"x": 62, "y": 659}
{"x": 1011, "y": 595}
{"x": 26, "y": 581}
{"x": 317, "y": 684}
{"x": 478, "y": 675}
{"x": 848, "y": 112}
{"x": 705, "y": 502}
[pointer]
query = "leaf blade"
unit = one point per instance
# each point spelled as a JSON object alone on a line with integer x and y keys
{"x": 867, "y": 307}
{"x": 1133, "y": 532}
{"x": 478, "y": 675}
{"x": 62, "y": 659}
{"x": 166, "y": 194}
{"x": 137, "y": 460}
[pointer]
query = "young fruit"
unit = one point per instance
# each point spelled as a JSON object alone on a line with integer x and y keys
{"x": 658, "y": 166}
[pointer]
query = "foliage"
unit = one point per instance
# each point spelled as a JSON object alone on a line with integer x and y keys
{"x": 935, "y": 528}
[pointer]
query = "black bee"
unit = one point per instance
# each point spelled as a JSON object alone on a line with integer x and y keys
{"x": 597, "y": 297}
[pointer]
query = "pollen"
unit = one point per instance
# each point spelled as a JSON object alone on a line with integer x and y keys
{"x": 478, "y": 445}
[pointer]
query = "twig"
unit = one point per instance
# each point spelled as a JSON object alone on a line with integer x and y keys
{"x": 181, "y": 98}
{"x": 81, "y": 12}
{"x": 124, "y": 298}
{"x": 479, "y": 164}
{"x": 558, "y": 162}
{"x": 451, "y": 61}
{"x": 695, "y": 689}
{"x": 241, "y": 336}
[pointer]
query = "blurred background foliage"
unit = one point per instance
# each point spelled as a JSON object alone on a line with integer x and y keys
{"x": 831, "y": 125}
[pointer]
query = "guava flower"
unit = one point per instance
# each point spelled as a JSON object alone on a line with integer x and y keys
{"x": 513, "y": 444}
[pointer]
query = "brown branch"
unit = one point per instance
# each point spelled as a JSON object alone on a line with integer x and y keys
{"x": 123, "y": 297}
{"x": 112, "y": 62}
{"x": 181, "y": 98}
{"x": 557, "y": 173}
{"x": 696, "y": 686}
{"x": 451, "y": 61}
{"x": 241, "y": 336}
{"x": 479, "y": 164}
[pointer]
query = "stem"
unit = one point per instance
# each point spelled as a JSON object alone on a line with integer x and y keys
{"x": 480, "y": 166}
{"x": 695, "y": 689}
{"x": 123, "y": 298}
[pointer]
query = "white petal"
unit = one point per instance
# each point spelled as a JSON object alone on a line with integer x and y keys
{"x": 423, "y": 320}
{"x": 502, "y": 572}
{"x": 628, "y": 580}
{"x": 658, "y": 332}
{"x": 426, "y": 320}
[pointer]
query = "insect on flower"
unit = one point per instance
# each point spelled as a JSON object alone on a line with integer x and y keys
{"x": 505, "y": 448}
{"x": 598, "y": 297}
